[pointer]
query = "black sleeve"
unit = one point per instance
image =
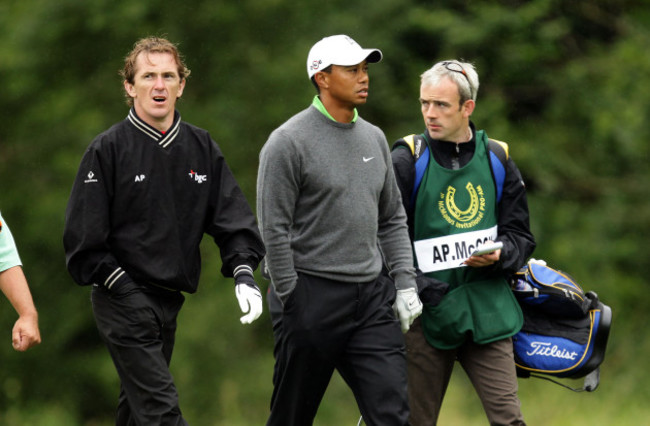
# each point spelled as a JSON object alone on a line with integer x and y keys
{"x": 404, "y": 167}
{"x": 87, "y": 223}
{"x": 231, "y": 221}
{"x": 514, "y": 227}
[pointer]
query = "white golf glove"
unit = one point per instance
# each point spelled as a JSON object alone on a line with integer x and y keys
{"x": 407, "y": 307}
{"x": 250, "y": 302}
{"x": 248, "y": 295}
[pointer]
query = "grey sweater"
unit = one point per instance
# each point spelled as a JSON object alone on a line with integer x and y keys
{"x": 328, "y": 204}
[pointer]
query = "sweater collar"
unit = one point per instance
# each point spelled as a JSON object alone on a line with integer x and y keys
{"x": 319, "y": 106}
{"x": 163, "y": 139}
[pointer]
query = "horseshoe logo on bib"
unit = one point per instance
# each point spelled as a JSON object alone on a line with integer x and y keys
{"x": 458, "y": 214}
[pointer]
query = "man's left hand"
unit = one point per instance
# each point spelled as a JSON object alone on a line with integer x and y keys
{"x": 249, "y": 297}
{"x": 484, "y": 260}
{"x": 407, "y": 307}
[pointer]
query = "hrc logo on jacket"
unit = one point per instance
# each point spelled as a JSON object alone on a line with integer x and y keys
{"x": 197, "y": 177}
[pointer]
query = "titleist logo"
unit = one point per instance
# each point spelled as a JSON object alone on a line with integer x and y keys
{"x": 545, "y": 349}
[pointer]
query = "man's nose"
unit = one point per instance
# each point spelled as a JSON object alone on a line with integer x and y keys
{"x": 363, "y": 76}
{"x": 159, "y": 82}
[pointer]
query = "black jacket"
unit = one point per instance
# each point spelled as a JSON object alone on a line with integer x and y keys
{"x": 513, "y": 217}
{"x": 142, "y": 201}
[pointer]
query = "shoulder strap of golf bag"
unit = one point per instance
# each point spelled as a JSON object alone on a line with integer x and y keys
{"x": 420, "y": 151}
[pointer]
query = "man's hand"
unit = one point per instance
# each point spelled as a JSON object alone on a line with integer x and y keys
{"x": 407, "y": 307}
{"x": 25, "y": 333}
{"x": 484, "y": 260}
{"x": 248, "y": 295}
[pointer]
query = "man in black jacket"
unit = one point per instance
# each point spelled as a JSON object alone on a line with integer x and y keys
{"x": 146, "y": 191}
{"x": 459, "y": 206}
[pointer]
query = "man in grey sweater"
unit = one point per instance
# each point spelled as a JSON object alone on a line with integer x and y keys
{"x": 330, "y": 213}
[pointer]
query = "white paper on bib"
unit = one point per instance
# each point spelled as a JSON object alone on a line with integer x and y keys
{"x": 450, "y": 251}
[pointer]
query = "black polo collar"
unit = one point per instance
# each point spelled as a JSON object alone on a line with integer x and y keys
{"x": 163, "y": 139}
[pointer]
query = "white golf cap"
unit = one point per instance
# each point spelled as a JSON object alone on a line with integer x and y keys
{"x": 338, "y": 50}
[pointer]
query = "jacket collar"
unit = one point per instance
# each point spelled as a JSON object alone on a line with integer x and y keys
{"x": 163, "y": 139}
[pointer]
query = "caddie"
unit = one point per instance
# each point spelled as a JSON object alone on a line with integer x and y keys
{"x": 455, "y": 210}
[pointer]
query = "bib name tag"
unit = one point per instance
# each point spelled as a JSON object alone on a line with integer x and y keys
{"x": 448, "y": 252}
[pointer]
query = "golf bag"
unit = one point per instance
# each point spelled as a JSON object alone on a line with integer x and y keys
{"x": 549, "y": 290}
{"x": 565, "y": 331}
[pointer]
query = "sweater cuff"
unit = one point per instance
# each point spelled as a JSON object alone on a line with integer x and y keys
{"x": 404, "y": 279}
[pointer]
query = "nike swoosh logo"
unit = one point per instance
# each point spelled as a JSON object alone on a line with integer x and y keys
{"x": 365, "y": 160}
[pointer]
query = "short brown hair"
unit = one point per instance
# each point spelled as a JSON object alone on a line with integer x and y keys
{"x": 151, "y": 45}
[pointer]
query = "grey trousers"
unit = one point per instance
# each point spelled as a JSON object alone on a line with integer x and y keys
{"x": 490, "y": 368}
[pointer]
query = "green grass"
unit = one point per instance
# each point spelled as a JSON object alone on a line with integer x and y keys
{"x": 240, "y": 398}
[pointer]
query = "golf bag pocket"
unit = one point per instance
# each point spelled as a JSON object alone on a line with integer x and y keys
{"x": 549, "y": 290}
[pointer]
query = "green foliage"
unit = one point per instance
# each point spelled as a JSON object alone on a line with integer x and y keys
{"x": 565, "y": 83}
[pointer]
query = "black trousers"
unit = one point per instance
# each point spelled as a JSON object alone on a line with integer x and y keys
{"x": 351, "y": 327}
{"x": 138, "y": 326}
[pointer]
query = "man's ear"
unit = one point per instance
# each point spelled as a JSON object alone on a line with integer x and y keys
{"x": 322, "y": 79}
{"x": 181, "y": 88}
{"x": 468, "y": 107}
{"x": 129, "y": 88}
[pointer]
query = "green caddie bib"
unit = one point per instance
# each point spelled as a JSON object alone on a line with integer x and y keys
{"x": 455, "y": 212}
